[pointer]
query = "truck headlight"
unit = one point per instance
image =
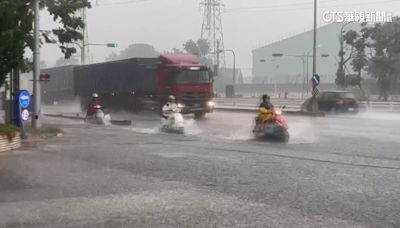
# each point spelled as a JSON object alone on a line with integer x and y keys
{"x": 211, "y": 104}
{"x": 181, "y": 105}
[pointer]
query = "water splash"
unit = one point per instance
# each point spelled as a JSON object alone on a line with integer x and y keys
{"x": 378, "y": 116}
{"x": 107, "y": 120}
{"x": 238, "y": 135}
{"x": 302, "y": 131}
{"x": 191, "y": 127}
{"x": 153, "y": 130}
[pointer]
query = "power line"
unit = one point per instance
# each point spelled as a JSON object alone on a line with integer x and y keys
{"x": 99, "y": 4}
{"x": 301, "y": 6}
{"x": 281, "y": 5}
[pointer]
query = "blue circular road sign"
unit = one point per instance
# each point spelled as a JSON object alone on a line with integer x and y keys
{"x": 316, "y": 80}
{"x": 24, "y": 99}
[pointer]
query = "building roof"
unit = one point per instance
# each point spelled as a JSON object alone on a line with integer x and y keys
{"x": 332, "y": 28}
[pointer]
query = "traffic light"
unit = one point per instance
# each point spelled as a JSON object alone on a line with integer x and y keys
{"x": 44, "y": 77}
{"x": 112, "y": 45}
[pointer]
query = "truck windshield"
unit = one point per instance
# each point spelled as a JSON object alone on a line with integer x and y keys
{"x": 191, "y": 77}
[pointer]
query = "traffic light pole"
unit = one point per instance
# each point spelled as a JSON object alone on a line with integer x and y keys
{"x": 83, "y": 46}
{"x": 36, "y": 121}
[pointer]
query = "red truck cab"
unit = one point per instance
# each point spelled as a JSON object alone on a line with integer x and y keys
{"x": 188, "y": 80}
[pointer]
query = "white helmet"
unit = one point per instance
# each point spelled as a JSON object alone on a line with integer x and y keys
{"x": 171, "y": 98}
{"x": 95, "y": 95}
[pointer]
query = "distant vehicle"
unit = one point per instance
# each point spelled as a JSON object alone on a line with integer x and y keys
{"x": 334, "y": 101}
{"x": 135, "y": 83}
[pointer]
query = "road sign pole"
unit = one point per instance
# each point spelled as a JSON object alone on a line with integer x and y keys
{"x": 21, "y": 113}
{"x": 316, "y": 80}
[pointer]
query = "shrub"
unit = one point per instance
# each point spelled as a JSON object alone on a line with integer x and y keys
{"x": 8, "y": 130}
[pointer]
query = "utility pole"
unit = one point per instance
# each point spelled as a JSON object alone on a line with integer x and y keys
{"x": 216, "y": 69}
{"x": 83, "y": 60}
{"x": 304, "y": 61}
{"x": 314, "y": 103}
{"x": 85, "y": 40}
{"x": 36, "y": 121}
{"x": 315, "y": 39}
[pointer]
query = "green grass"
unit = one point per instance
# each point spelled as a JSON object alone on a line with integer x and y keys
{"x": 45, "y": 131}
{"x": 8, "y": 130}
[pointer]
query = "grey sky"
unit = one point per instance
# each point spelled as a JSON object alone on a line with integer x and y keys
{"x": 166, "y": 24}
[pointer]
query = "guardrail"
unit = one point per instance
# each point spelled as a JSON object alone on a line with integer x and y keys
{"x": 391, "y": 106}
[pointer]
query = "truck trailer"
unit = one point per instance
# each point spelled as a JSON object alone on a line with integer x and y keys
{"x": 135, "y": 84}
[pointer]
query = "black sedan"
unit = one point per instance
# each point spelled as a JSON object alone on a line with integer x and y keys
{"x": 334, "y": 101}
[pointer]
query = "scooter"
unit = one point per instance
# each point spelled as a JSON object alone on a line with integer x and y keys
{"x": 99, "y": 117}
{"x": 273, "y": 128}
{"x": 174, "y": 122}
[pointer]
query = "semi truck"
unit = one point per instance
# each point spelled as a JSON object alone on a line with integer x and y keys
{"x": 135, "y": 84}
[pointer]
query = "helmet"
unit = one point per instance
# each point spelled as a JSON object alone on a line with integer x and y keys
{"x": 171, "y": 98}
{"x": 265, "y": 97}
{"x": 94, "y": 95}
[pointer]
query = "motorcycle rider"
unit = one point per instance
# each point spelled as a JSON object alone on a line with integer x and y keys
{"x": 91, "y": 109}
{"x": 266, "y": 102}
{"x": 169, "y": 106}
{"x": 265, "y": 110}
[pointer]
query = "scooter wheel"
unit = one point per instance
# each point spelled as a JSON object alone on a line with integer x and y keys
{"x": 285, "y": 137}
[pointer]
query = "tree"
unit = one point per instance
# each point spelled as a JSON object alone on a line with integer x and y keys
{"x": 203, "y": 47}
{"x": 345, "y": 45}
{"x": 383, "y": 60}
{"x": 384, "y": 42}
{"x": 177, "y": 51}
{"x": 200, "y": 48}
{"x": 135, "y": 51}
{"x": 16, "y": 34}
{"x": 14, "y": 31}
{"x": 174, "y": 51}
{"x": 358, "y": 42}
{"x": 71, "y": 61}
{"x": 111, "y": 57}
{"x": 191, "y": 47}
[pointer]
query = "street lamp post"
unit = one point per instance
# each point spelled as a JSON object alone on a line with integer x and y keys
{"x": 304, "y": 58}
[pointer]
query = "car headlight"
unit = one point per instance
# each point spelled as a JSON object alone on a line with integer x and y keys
{"x": 211, "y": 104}
{"x": 181, "y": 105}
{"x": 278, "y": 112}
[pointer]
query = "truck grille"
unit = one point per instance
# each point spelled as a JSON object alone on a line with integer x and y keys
{"x": 196, "y": 97}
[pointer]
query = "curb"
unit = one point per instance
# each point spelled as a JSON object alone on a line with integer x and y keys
{"x": 286, "y": 112}
{"x": 78, "y": 117}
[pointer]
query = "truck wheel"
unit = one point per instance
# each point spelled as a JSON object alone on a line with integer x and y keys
{"x": 199, "y": 115}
